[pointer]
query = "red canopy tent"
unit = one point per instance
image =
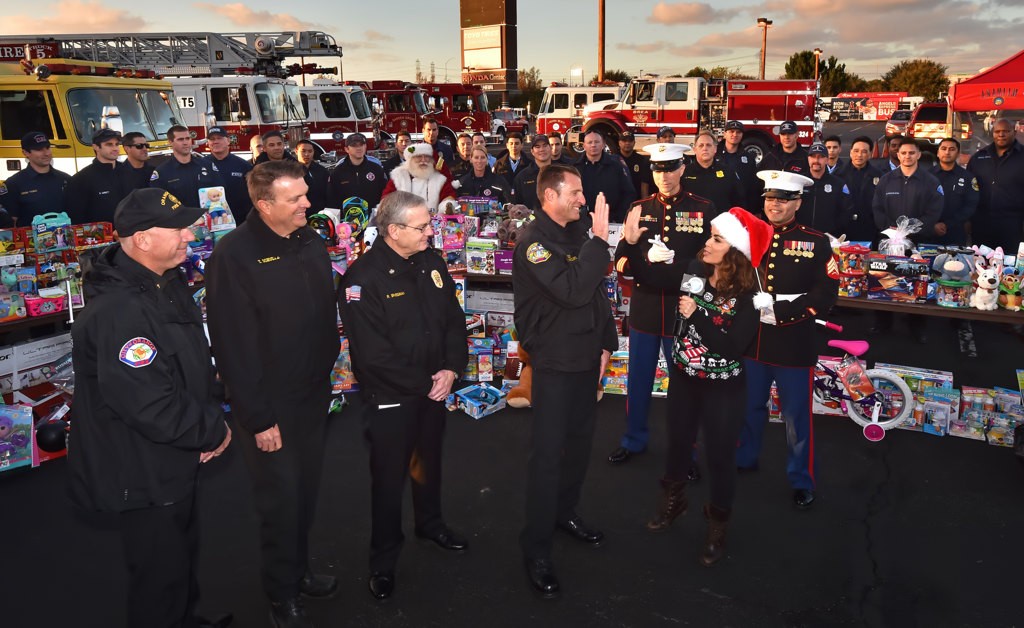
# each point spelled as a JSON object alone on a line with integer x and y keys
{"x": 999, "y": 87}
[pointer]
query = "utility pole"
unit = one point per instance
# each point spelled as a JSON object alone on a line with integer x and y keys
{"x": 600, "y": 40}
{"x": 763, "y": 23}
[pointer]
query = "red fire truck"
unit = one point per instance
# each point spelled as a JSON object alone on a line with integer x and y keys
{"x": 691, "y": 105}
{"x": 397, "y": 105}
{"x": 458, "y": 108}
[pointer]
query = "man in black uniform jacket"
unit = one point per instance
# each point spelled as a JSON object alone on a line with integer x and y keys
{"x": 827, "y": 205}
{"x": 788, "y": 155}
{"x": 565, "y": 322}
{"x": 272, "y": 314}
{"x": 147, "y": 406}
{"x": 408, "y": 336}
{"x": 356, "y": 176}
{"x": 93, "y": 192}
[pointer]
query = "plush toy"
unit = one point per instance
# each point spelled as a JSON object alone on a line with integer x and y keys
{"x": 1009, "y": 292}
{"x": 951, "y": 267}
{"x": 522, "y": 395}
{"x": 11, "y": 439}
{"x": 988, "y": 270}
{"x": 518, "y": 217}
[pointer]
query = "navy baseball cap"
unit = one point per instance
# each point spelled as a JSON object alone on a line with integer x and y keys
{"x": 216, "y": 130}
{"x": 146, "y": 208}
{"x": 354, "y": 139}
{"x": 103, "y": 135}
{"x": 666, "y": 130}
{"x": 34, "y": 140}
{"x": 787, "y": 127}
{"x": 817, "y": 149}
{"x": 627, "y": 135}
{"x": 734, "y": 125}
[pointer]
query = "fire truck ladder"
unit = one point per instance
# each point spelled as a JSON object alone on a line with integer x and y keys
{"x": 196, "y": 54}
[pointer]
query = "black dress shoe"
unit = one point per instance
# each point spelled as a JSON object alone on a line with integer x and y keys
{"x": 318, "y": 586}
{"x": 803, "y": 498}
{"x": 693, "y": 474}
{"x": 620, "y": 455}
{"x": 541, "y": 573}
{"x": 382, "y": 584}
{"x": 289, "y": 614}
{"x": 447, "y": 539}
{"x": 579, "y": 530}
{"x": 218, "y": 620}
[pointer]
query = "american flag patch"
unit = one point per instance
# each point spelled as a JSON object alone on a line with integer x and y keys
{"x": 353, "y": 293}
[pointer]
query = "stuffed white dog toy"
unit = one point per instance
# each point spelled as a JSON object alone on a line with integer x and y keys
{"x": 988, "y": 272}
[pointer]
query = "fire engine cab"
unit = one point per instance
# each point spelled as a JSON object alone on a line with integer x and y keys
{"x": 458, "y": 108}
{"x": 237, "y": 81}
{"x": 562, "y": 106}
{"x": 69, "y": 101}
{"x": 691, "y": 105}
{"x": 398, "y": 106}
{"x": 333, "y": 111}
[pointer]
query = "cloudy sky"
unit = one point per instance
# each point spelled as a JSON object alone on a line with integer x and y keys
{"x": 384, "y": 38}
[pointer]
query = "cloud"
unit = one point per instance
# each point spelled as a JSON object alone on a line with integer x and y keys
{"x": 372, "y": 35}
{"x": 241, "y": 15}
{"x": 74, "y": 16}
{"x": 688, "y": 13}
{"x": 656, "y": 46}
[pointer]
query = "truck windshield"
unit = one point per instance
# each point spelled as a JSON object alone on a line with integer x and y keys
{"x": 481, "y": 103}
{"x": 147, "y": 111}
{"x": 421, "y": 103}
{"x": 278, "y": 102}
{"x": 545, "y": 102}
{"x": 294, "y": 102}
{"x": 360, "y": 107}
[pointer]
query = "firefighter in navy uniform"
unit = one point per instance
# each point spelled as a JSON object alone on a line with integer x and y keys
{"x": 637, "y": 164}
{"x": 802, "y": 278}
{"x": 408, "y": 336}
{"x": 788, "y": 154}
{"x": 732, "y": 154}
{"x": 707, "y": 175}
{"x": 565, "y": 322}
{"x": 827, "y": 205}
{"x": 678, "y": 221}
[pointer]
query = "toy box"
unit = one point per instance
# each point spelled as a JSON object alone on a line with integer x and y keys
{"x": 342, "y": 378}
{"x": 455, "y": 259}
{"x": 774, "y": 407}
{"x": 460, "y": 291}
{"x": 12, "y": 242}
{"x": 12, "y": 307}
{"x": 941, "y": 407}
{"x": 478, "y": 205}
{"x": 490, "y": 301}
{"x": 919, "y": 379}
{"x": 898, "y": 279}
{"x": 26, "y": 364}
{"x": 452, "y": 233}
{"x": 480, "y": 400}
{"x": 503, "y": 261}
{"x": 480, "y": 256}
{"x": 972, "y": 421}
{"x": 16, "y": 437}
{"x": 480, "y": 367}
{"x": 218, "y": 213}
{"x": 498, "y": 322}
{"x": 616, "y": 375}
{"x": 476, "y": 326}
{"x": 51, "y": 232}
{"x": 92, "y": 234}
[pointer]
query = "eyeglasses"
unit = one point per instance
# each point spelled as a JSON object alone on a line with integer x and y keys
{"x": 146, "y": 146}
{"x": 422, "y": 229}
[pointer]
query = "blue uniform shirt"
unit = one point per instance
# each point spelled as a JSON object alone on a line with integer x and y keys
{"x": 29, "y": 193}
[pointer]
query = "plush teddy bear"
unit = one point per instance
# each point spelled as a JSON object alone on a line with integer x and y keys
{"x": 1009, "y": 291}
{"x": 522, "y": 395}
{"x": 518, "y": 217}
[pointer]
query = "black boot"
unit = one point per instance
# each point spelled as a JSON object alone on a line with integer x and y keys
{"x": 673, "y": 503}
{"x": 714, "y": 545}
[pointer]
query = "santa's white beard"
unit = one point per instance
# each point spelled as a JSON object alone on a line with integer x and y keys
{"x": 421, "y": 171}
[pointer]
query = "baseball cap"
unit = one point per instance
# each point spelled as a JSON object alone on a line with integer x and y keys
{"x": 627, "y": 135}
{"x": 817, "y": 149}
{"x": 666, "y": 157}
{"x": 782, "y": 184}
{"x": 103, "y": 135}
{"x": 146, "y": 208}
{"x": 787, "y": 127}
{"x": 216, "y": 130}
{"x": 355, "y": 138}
{"x": 34, "y": 140}
{"x": 734, "y": 125}
{"x": 666, "y": 130}
{"x": 540, "y": 140}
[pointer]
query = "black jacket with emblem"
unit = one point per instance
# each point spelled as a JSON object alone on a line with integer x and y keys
{"x": 563, "y": 315}
{"x": 718, "y": 183}
{"x": 826, "y": 206}
{"x": 608, "y": 174}
{"x": 862, "y": 182}
{"x": 802, "y": 276}
{"x": 960, "y": 194}
{"x": 778, "y": 159}
{"x": 272, "y": 312}
{"x": 185, "y": 180}
{"x": 917, "y": 196}
{"x": 93, "y": 193}
{"x": 743, "y": 165}
{"x": 639, "y": 167}
{"x": 683, "y": 222}
{"x": 490, "y": 185}
{"x": 366, "y": 181}
{"x": 403, "y": 321}
{"x": 525, "y": 187}
{"x": 146, "y": 399}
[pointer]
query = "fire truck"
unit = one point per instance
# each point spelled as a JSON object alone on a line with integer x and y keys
{"x": 333, "y": 111}
{"x": 562, "y": 106}
{"x": 237, "y": 81}
{"x": 458, "y": 108}
{"x": 70, "y": 100}
{"x": 397, "y": 105}
{"x": 691, "y": 105}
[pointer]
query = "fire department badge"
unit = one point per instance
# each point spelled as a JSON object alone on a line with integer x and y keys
{"x": 828, "y": 188}
{"x": 537, "y": 254}
{"x": 874, "y": 181}
{"x": 487, "y": 192}
{"x": 137, "y": 352}
{"x": 436, "y": 276}
{"x": 974, "y": 184}
{"x": 719, "y": 174}
{"x": 636, "y": 167}
{"x": 370, "y": 176}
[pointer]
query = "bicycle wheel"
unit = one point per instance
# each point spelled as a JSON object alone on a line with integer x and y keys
{"x": 894, "y": 395}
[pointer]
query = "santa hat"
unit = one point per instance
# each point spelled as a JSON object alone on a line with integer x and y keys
{"x": 745, "y": 232}
{"x": 413, "y": 150}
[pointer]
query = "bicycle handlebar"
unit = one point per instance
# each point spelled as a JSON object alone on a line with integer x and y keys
{"x": 832, "y": 326}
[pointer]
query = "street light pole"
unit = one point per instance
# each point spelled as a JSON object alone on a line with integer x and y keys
{"x": 817, "y": 57}
{"x": 446, "y": 68}
{"x": 764, "y": 24}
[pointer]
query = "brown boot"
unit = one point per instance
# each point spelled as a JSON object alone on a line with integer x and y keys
{"x": 673, "y": 504}
{"x": 714, "y": 546}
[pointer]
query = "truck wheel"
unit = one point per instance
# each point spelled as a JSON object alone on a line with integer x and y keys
{"x": 447, "y": 136}
{"x": 500, "y": 135}
{"x": 757, "y": 147}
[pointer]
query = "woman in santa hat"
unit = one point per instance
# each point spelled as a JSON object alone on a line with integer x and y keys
{"x": 707, "y": 388}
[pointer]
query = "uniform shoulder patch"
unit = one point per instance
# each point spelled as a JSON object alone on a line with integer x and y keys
{"x": 3, "y": 187}
{"x": 537, "y": 254}
{"x": 154, "y": 176}
{"x": 974, "y": 184}
{"x": 137, "y": 352}
{"x": 353, "y": 294}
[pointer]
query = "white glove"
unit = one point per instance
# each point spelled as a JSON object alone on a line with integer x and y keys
{"x": 659, "y": 252}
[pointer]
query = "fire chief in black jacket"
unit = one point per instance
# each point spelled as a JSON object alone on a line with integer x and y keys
{"x": 147, "y": 406}
{"x": 564, "y": 320}
{"x": 273, "y": 321}
{"x": 408, "y": 339}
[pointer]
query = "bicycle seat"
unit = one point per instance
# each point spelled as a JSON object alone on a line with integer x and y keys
{"x": 855, "y": 348}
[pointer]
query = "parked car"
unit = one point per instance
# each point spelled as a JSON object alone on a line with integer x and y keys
{"x": 897, "y": 123}
{"x": 928, "y": 125}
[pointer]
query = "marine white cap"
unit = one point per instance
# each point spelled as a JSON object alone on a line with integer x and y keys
{"x": 666, "y": 157}
{"x": 781, "y": 184}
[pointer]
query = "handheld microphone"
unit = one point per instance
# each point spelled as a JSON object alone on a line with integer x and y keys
{"x": 693, "y": 283}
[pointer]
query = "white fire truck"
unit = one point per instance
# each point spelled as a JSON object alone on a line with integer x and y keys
{"x": 333, "y": 111}
{"x": 562, "y": 106}
{"x": 237, "y": 81}
{"x": 691, "y": 105}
